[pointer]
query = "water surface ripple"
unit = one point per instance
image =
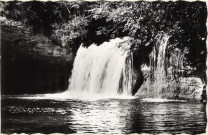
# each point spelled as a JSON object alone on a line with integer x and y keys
{"x": 101, "y": 116}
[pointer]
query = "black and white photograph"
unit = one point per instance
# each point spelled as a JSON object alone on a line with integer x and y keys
{"x": 103, "y": 67}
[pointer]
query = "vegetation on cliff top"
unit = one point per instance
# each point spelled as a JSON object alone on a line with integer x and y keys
{"x": 71, "y": 23}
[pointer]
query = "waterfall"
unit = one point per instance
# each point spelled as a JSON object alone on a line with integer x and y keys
{"x": 105, "y": 69}
{"x": 164, "y": 77}
{"x": 158, "y": 64}
{"x": 156, "y": 81}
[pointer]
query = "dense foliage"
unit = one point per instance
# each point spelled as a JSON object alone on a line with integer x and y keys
{"x": 72, "y": 23}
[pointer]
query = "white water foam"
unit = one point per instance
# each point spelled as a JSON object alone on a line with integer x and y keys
{"x": 104, "y": 69}
{"x": 160, "y": 100}
{"x": 73, "y": 96}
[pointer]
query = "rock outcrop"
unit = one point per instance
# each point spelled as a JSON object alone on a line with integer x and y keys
{"x": 32, "y": 64}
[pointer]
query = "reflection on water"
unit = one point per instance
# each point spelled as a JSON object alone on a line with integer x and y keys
{"x": 101, "y": 116}
{"x": 94, "y": 117}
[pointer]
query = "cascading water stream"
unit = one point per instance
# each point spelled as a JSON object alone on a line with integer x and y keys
{"x": 157, "y": 79}
{"x": 105, "y": 69}
{"x": 160, "y": 65}
{"x": 164, "y": 75}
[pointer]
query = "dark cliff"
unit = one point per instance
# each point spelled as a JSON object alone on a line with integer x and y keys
{"x": 32, "y": 63}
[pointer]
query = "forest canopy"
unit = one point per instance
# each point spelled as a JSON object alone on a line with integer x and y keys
{"x": 70, "y": 24}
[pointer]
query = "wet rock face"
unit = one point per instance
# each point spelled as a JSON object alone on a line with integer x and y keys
{"x": 191, "y": 88}
{"x": 30, "y": 64}
{"x": 188, "y": 88}
{"x": 137, "y": 80}
{"x": 138, "y": 77}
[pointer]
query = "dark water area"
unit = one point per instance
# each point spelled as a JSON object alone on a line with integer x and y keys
{"x": 101, "y": 116}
